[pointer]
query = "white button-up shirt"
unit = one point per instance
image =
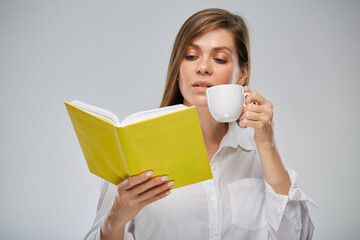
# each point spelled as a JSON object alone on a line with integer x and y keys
{"x": 236, "y": 204}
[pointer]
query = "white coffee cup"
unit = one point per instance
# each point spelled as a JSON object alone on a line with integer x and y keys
{"x": 226, "y": 101}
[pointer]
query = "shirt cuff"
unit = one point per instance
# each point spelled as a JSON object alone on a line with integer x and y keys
{"x": 276, "y": 203}
{"x": 128, "y": 232}
{"x": 95, "y": 235}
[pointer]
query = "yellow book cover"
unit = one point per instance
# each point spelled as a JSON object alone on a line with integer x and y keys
{"x": 166, "y": 140}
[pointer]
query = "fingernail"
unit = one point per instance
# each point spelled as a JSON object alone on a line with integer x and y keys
{"x": 164, "y": 178}
{"x": 171, "y": 184}
{"x": 149, "y": 173}
{"x": 168, "y": 192}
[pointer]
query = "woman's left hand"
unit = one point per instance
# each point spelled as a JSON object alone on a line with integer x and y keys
{"x": 258, "y": 114}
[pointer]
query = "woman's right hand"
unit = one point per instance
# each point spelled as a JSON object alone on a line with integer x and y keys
{"x": 133, "y": 195}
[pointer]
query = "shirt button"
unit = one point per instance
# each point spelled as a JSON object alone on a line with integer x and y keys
{"x": 213, "y": 198}
{"x": 213, "y": 169}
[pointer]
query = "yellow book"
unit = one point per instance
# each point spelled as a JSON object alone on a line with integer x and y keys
{"x": 166, "y": 140}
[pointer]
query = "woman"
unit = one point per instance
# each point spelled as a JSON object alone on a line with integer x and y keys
{"x": 251, "y": 195}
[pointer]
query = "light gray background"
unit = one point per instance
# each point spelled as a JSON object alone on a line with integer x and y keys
{"x": 305, "y": 59}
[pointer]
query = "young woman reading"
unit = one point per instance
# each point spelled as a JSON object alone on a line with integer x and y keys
{"x": 252, "y": 196}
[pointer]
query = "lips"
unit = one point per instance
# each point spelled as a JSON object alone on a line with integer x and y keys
{"x": 202, "y": 84}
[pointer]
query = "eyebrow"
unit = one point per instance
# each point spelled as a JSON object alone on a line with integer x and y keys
{"x": 214, "y": 49}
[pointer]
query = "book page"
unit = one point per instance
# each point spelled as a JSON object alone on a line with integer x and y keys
{"x": 97, "y": 111}
{"x": 140, "y": 116}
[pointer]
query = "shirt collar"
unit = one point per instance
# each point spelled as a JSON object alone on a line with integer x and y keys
{"x": 237, "y": 136}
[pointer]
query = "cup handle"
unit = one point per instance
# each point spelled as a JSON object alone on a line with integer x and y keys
{"x": 245, "y": 95}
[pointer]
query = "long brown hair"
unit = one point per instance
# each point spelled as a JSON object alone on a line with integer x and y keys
{"x": 196, "y": 25}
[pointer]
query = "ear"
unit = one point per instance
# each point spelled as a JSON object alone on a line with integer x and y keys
{"x": 243, "y": 75}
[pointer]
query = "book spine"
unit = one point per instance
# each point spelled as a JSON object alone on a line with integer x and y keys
{"x": 128, "y": 150}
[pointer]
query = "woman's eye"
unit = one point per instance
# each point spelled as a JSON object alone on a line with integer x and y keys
{"x": 190, "y": 57}
{"x": 219, "y": 60}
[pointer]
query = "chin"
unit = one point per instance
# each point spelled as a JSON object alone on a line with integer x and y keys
{"x": 200, "y": 103}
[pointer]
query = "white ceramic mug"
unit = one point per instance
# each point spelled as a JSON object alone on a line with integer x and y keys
{"x": 226, "y": 101}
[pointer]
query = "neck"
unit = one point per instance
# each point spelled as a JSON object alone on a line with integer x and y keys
{"x": 213, "y": 131}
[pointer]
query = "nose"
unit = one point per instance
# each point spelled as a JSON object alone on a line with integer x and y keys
{"x": 204, "y": 67}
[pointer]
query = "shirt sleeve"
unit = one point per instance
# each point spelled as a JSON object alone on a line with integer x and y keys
{"x": 288, "y": 215}
{"x": 107, "y": 195}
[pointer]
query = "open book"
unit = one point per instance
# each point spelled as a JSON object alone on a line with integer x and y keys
{"x": 166, "y": 140}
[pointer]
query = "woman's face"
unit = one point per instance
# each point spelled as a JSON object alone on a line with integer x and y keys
{"x": 211, "y": 59}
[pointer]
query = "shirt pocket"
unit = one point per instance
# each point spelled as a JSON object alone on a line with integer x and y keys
{"x": 247, "y": 199}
